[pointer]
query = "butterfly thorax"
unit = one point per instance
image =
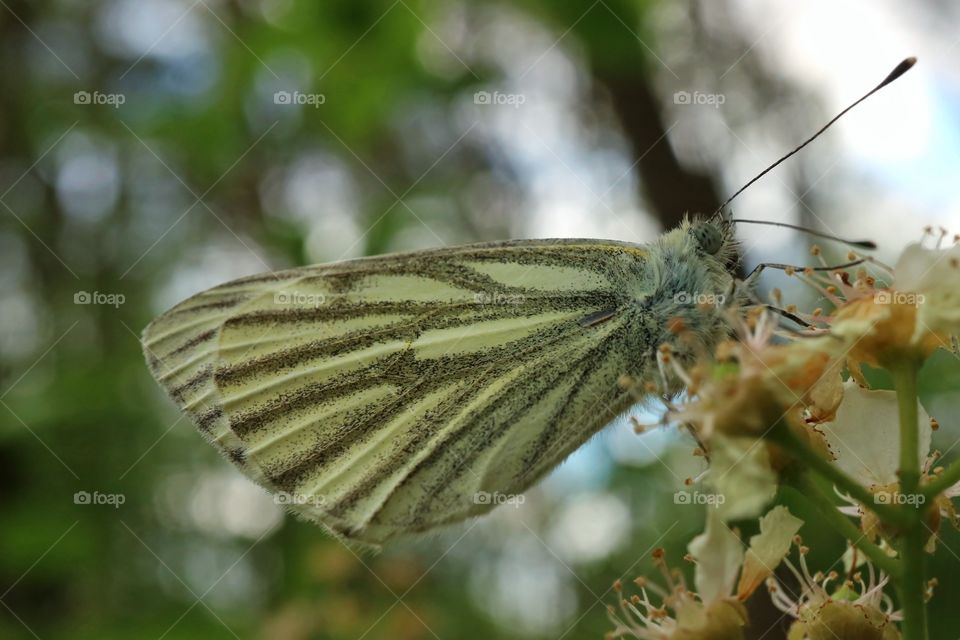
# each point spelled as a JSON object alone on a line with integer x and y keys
{"x": 686, "y": 296}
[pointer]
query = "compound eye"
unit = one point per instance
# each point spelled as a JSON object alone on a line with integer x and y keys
{"x": 708, "y": 238}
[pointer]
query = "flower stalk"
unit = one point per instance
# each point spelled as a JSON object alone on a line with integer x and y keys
{"x": 905, "y": 383}
{"x": 912, "y": 587}
{"x": 783, "y": 436}
{"x": 813, "y": 494}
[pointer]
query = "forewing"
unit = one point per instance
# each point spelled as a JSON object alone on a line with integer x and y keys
{"x": 394, "y": 394}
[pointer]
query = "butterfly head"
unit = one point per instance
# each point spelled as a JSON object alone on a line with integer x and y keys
{"x": 708, "y": 236}
{"x": 715, "y": 237}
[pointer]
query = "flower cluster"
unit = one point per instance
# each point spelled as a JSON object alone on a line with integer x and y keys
{"x": 804, "y": 408}
{"x": 725, "y": 576}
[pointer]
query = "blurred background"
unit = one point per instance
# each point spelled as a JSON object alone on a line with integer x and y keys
{"x": 150, "y": 149}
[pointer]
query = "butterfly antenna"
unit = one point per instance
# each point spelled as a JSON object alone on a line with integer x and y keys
{"x": 898, "y": 71}
{"x": 859, "y": 244}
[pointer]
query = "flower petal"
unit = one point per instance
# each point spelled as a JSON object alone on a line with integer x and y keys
{"x": 767, "y": 549}
{"x": 719, "y": 554}
{"x": 920, "y": 269}
{"x": 740, "y": 472}
{"x": 865, "y": 436}
{"x": 934, "y": 274}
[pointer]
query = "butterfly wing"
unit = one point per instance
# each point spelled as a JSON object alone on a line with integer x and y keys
{"x": 394, "y": 394}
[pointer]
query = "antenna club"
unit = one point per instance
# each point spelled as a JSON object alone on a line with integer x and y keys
{"x": 899, "y": 70}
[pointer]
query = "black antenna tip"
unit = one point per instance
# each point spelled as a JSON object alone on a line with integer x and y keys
{"x": 899, "y": 70}
{"x": 863, "y": 244}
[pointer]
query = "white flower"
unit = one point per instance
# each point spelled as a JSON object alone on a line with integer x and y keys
{"x": 828, "y": 608}
{"x": 865, "y": 442}
{"x": 715, "y": 611}
{"x": 916, "y": 315}
{"x": 934, "y": 276}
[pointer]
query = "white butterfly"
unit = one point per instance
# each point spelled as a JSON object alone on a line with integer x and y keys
{"x": 389, "y": 395}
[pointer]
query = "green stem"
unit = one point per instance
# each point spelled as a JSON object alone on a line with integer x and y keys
{"x": 782, "y": 435}
{"x": 832, "y": 516}
{"x": 949, "y": 477}
{"x": 905, "y": 382}
{"x": 912, "y": 588}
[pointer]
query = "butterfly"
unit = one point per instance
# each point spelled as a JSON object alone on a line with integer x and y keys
{"x": 391, "y": 395}
{"x": 394, "y": 394}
